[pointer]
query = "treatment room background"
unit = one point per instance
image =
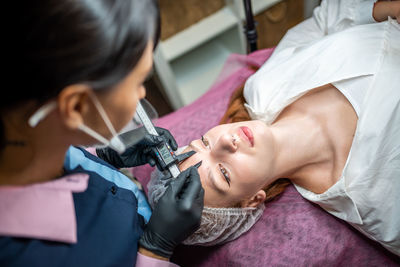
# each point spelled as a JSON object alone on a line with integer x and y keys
{"x": 201, "y": 59}
{"x": 191, "y": 53}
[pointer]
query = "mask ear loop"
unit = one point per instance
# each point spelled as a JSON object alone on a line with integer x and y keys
{"x": 93, "y": 134}
{"x": 41, "y": 113}
{"x": 103, "y": 114}
{"x": 115, "y": 145}
{"x": 115, "y": 142}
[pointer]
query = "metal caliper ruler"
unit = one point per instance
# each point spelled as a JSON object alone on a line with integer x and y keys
{"x": 164, "y": 151}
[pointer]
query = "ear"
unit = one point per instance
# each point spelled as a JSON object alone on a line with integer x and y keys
{"x": 73, "y": 103}
{"x": 255, "y": 200}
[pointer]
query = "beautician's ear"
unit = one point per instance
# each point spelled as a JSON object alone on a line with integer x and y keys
{"x": 73, "y": 103}
{"x": 254, "y": 201}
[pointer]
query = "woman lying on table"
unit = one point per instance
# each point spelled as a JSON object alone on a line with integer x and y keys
{"x": 325, "y": 115}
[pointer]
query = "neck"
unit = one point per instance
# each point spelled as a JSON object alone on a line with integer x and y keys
{"x": 31, "y": 155}
{"x": 23, "y": 165}
{"x": 301, "y": 146}
{"x": 19, "y": 166}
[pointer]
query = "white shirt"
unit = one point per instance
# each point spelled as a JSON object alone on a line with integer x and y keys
{"x": 342, "y": 45}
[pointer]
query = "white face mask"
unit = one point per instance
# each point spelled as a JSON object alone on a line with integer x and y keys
{"x": 115, "y": 142}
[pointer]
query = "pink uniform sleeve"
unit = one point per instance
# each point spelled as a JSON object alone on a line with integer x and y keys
{"x": 145, "y": 261}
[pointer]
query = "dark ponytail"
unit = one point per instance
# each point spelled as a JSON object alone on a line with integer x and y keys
{"x": 58, "y": 43}
{"x": 54, "y": 43}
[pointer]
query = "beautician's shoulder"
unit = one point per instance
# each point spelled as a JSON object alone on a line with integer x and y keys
{"x": 43, "y": 210}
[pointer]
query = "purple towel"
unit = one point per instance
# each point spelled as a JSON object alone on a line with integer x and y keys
{"x": 292, "y": 231}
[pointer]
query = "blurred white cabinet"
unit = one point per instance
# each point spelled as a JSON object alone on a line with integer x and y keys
{"x": 188, "y": 63}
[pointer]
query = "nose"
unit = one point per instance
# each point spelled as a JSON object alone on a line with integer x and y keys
{"x": 225, "y": 143}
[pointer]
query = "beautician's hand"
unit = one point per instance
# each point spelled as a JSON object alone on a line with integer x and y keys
{"x": 176, "y": 215}
{"x": 140, "y": 153}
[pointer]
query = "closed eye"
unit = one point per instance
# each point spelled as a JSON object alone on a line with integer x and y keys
{"x": 225, "y": 174}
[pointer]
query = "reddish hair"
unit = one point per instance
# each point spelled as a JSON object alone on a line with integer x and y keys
{"x": 236, "y": 112}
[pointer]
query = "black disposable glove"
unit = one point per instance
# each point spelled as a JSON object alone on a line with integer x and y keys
{"x": 176, "y": 215}
{"x": 140, "y": 153}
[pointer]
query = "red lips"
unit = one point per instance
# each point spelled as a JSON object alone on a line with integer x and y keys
{"x": 247, "y": 134}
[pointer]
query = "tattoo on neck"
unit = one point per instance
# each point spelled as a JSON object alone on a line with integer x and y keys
{"x": 15, "y": 143}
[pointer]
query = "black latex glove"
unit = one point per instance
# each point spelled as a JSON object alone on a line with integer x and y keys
{"x": 140, "y": 153}
{"x": 176, "y": 215}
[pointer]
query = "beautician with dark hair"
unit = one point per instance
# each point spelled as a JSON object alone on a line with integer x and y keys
{"x": 74, "y": 79}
